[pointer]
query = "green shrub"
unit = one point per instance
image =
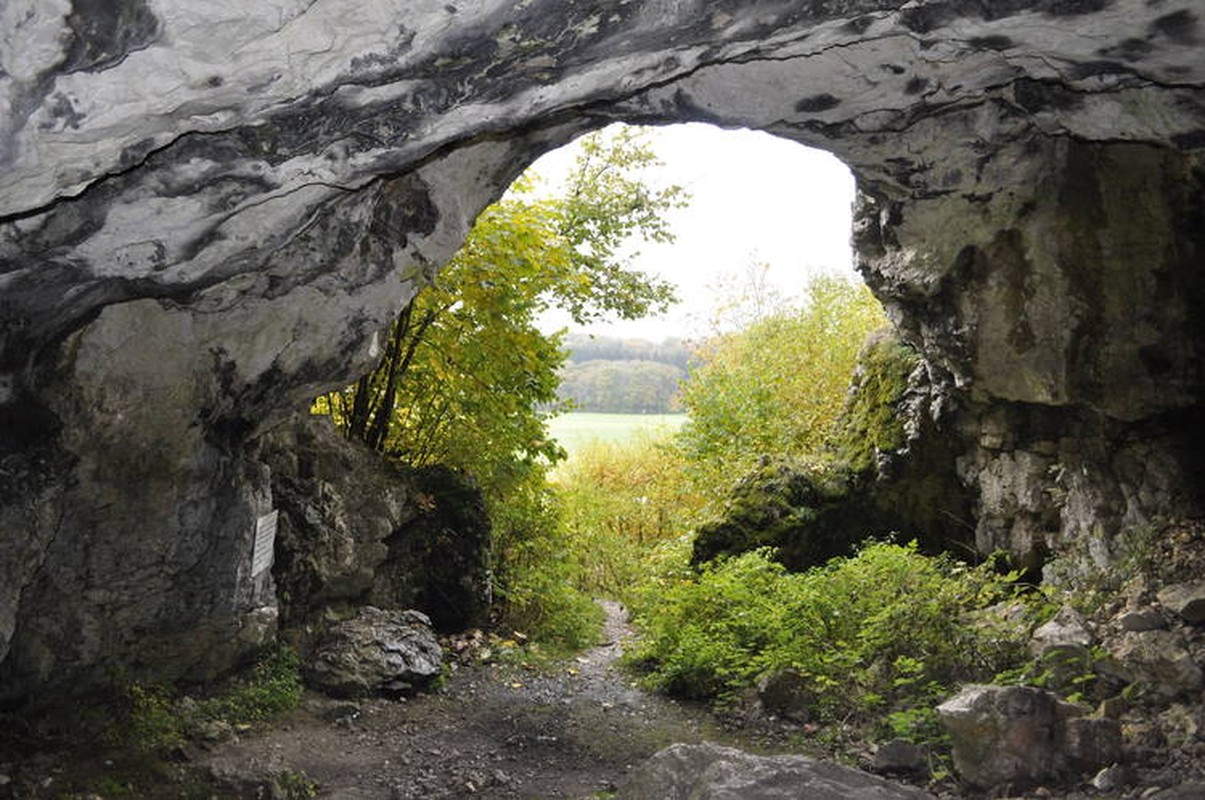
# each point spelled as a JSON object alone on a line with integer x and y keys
{"x": 157, "y": 720}
{"x": 619, "y": 501}
{"x": 537, "y": 578}
{"x": 273, "y": 686}
{"x": 881, "y": 632}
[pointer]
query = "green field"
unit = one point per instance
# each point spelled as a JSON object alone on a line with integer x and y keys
{"x": 579, "y": 428}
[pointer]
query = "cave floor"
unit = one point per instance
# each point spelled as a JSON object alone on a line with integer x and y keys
{"x": 492, "y": 731}
{"x": 569, "y": 730}
{"x": 572, "y": 731}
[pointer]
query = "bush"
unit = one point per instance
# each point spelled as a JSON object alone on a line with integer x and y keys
{"x": 883, "y": 631}
{"x": 619, "y": 501}
{"x": 538, "y": 576}
{"x": 778, "y": 386}
{"x": 158, "y": 720}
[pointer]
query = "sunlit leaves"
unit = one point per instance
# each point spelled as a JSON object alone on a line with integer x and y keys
{"x": 778, "y": 385}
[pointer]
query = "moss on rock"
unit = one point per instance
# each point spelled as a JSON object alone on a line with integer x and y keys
{"x": 886, "y": 471}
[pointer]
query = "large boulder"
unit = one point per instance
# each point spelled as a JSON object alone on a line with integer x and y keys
{"x": 1185, "y": 600}
{"x": 711, "y": 772}
{"x": 1160, "y": 661}
{"x": 356, "y": 528}
{"x": 1022, "y": 736}
{"x": 376, "y": 652}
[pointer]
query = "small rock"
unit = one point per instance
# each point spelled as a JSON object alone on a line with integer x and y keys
{"x": 899, "y": 755}
{"x": 1185, "y": 599}
{"x": 1140, "y": 619}
{"x": 1185, "y": 791}
{"x": 1110, "y": 779}
{"x": 1068, "y": 631}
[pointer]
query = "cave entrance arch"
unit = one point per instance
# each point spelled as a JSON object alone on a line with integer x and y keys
{"x": 199, "y": 231}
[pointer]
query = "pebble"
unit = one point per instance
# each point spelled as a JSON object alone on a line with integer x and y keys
{"x": 1109, "y": 779}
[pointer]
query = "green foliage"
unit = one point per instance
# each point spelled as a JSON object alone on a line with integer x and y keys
{"x": 583, "y": 347}
{"x": 468, "y": 379}
{"x": 294, "y": 785}
{"x": 619, "y": 501}
{"x": 158, "y": 720}
{"x": 538, "y": 576}
{"x": 882, "y": 632}
{"x": 623, "y": 387}
{"x": 153, "y": 725}
{"x": 272, "y": 687}
{"x": 779, "y": 385}
{"x": 623, "y": 375}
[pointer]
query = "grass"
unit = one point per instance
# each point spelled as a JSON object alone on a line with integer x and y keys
{"x": 579, "y": 429}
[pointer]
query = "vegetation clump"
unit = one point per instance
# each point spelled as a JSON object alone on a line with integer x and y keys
{"x": 469, "y": 379}
{"x": 885, "y": 631}
{"x": 158, "y": 720}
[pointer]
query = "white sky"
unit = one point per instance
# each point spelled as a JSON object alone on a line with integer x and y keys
{"x": 755, "y": 198}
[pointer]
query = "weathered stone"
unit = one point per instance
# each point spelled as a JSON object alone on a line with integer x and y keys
{"x": 1001, "y": 735}
{"x": 1110, "y": 779}
{"x": 209, "y": 211}
{"x": 1090, "y": 743}
{"x": 1136, "y": 620}
{"x": 352, "y": 531}
{"x": 376, "y": 652}
{"x": 1021, "y": 735}
{"x": 899, "y": 755}
{"x": 1159, "y": 661}
{"x": 1187, "y": 600}
{"x": 1186, "y": 791}
{"x": 1066, "y": 632}
{"x": 711, "y": 772}
{"x": 786, "y": 693}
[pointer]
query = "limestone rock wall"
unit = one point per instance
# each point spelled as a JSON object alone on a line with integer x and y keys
{"x": 208, "y": 210}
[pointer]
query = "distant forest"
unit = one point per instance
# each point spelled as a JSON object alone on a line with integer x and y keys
{"x": 624, "y": 376}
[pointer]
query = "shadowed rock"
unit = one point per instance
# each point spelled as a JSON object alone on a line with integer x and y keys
{"x": 711, "y": 772}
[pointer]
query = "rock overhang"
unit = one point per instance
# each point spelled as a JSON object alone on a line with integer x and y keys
{"x": 225, "y": 204}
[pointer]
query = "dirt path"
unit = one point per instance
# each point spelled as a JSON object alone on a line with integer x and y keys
{"x": 491, "y": 732}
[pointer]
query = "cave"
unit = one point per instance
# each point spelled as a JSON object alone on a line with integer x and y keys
{"x": 208, "y": 213}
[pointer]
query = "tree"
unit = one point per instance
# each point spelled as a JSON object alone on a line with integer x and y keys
{"x": 467, "y": 377}
{"x": 777, "y": 387}
{"x": 465, "y": 366}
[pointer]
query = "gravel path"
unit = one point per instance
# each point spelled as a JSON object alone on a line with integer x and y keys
{"x": 491, "y": 732}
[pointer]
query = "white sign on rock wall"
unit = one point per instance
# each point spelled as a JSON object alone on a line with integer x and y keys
{"x": 265, "y": 539}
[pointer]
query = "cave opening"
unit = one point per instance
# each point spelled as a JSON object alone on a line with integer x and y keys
{"x": 1031, "y": 218}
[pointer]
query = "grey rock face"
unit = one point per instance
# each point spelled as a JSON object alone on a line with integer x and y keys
{"x": 376, "y": 652}
{"x": 1021, "y": 735}
{"x": 208, "y": 211}
{"x": 711, "y": 772}
{"x": 1160, "y": 661}
{"x": 351, "y": 531}
{"x": 1186, "y": 600}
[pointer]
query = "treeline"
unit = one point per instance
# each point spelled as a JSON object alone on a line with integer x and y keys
{"x": 623, "y": 376}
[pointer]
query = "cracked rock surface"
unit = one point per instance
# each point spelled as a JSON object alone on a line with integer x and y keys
{"x": 209, "y": 210}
